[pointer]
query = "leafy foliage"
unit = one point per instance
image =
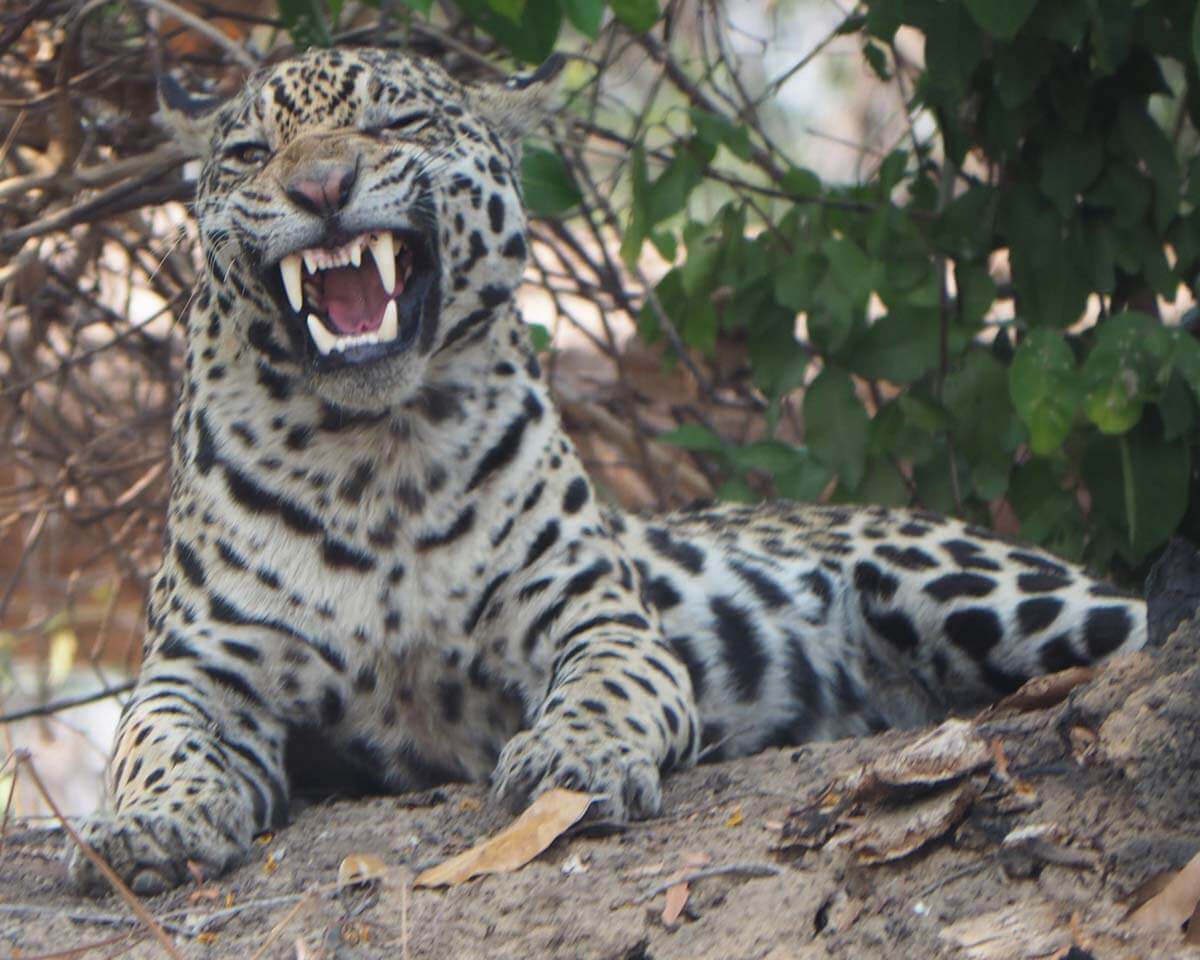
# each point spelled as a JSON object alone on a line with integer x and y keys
{"x": 976, "y": 323}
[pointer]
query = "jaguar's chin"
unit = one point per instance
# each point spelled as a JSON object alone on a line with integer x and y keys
{"x": 357, "y": 303}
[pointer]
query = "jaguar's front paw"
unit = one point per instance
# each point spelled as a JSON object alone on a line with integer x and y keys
{"x": 625, "y": 777}
{"x": 150, "y": 851}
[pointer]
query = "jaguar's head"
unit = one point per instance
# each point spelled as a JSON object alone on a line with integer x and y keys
{"x": 361, "y": 211}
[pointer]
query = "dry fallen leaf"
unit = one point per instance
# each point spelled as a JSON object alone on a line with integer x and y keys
{"x": 1044, "y": 691}
{"x": 359, "y": 868}
{"x": 677, "y": 898}
{"x": 1020, "y": 930}
{"x": 1174, "y": 904}
{"x": 574, "y": 865}
{"x": 895, "y": 832}
{"x": 951, "y": 751}
{"x": 514, "y": 846}
{"x": 735, "y": 817}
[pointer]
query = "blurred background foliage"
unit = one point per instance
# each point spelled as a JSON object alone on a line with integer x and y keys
{"x": 928, "y": 252}
{"x": 978, "y": 321}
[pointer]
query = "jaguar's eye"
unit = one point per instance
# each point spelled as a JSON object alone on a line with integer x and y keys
{"x": 248, "y": 153}
{"x": 407, "y": 121}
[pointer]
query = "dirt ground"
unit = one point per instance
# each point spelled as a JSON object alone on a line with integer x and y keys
{"x": 1106, "y": 784}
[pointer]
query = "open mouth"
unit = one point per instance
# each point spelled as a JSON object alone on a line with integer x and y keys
{"x": 361, "y": 301}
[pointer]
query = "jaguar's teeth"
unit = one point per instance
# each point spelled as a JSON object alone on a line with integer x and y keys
{"x": 326, "y": 342}
{"x": 356, "y": 256}
{"x": 289, "y": 271}
{"x": 310, "y": 261}
{"x": 384, "y": 252}
{"x": 389, "y": 327}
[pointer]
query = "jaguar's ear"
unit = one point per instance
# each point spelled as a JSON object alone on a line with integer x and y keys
{"x": 191, "y": 120}
{"x": 520, "y": 105}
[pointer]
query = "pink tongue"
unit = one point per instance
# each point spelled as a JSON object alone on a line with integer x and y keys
{"x": 354, "y": 299}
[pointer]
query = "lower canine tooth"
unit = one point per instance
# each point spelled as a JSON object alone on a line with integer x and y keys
{"x": 324, "y": 340}
{"x": 389, "y": 327}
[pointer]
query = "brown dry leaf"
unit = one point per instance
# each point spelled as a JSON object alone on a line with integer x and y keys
{"x": 1192, "y": 937}
{"x": 735, "y": 817}
{"x": 677, "y": 898}
{"x": 1174, "y": 904}
{"x": 360, "y": 867}
{"x": 514, "y": 846}
{"x": 893, "y": 833}
{"x": 1021, "y": 930}
{"x": 1082, "y": 741}
{"x": 951, "y": 751}
{"x": 1044, "y": 691}
{"x": 696, "y": 859}
{"x": 1000, "y": 760}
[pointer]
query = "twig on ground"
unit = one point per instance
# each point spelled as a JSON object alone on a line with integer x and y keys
{"x": 130, "y": 898}
{"x": 731, "y": 869}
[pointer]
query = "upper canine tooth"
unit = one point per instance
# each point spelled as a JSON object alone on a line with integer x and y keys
{"x": 324, "y": 340}
{"x": 385, "y": 259}
{"x": 388, "y": 327}
{"x": 289, "y": 271}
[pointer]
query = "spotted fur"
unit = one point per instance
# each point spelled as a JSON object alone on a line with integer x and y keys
{"x": 389, "y": 574}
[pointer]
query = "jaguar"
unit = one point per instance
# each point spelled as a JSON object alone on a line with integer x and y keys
{"x": 384, "y": 566}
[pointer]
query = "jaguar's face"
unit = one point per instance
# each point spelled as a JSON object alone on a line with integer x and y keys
{"x": 362, "y": 210}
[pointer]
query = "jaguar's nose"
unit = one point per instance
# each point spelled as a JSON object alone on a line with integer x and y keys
{"x": 322, "y": 188}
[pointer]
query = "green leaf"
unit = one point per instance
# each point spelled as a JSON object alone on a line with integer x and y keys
{"x": 883, "y": 485}
{"x": 694, "y": 437}
{"x": 877, "y": 60}
{"x": 638, "y": 225}
{"x": 637, "y": 15}
{"x": 1001, "y": 18}
{"x": 305, "y": 22}
{"x": 669, "y": 192}
{"x": 539, "y": 336}
{"x": 1049, "y": 514}
{"x": 835, "y": 425}
{"x": 954, "y": 48}
{"x": 900, "y": 346}
{"x": 1069, "y": 166}
{"x": 771, "y": 456}
{"x": 803, "y": 184}
{"x": 1140, "y": 485}
{"x": 798, "y": 278}
{"x": 1185, "y": 357}
{"x": 1176, "y": 407}
{"x": 1128, "y": 366}
{"x": 778, "y": 361}
{"x": 976, "y": 293}
{"x": 711, "y": 128}
{"x": 1146, "y": 139}
{"x": 549, "y": 189}
{"x": 509, "y": 9}
{"x": 985, "y": 430}
{"x": 1196, "y": 36}
{"x": 421, "y": 6}
{"x": 806, "y": 482}
{"x": 584, "y": 15}
{"x": 1044, "y": 385}
{"x": 531, "y": 37}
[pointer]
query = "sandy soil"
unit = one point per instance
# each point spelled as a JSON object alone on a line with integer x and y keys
{"x": 1109, "y": 779}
